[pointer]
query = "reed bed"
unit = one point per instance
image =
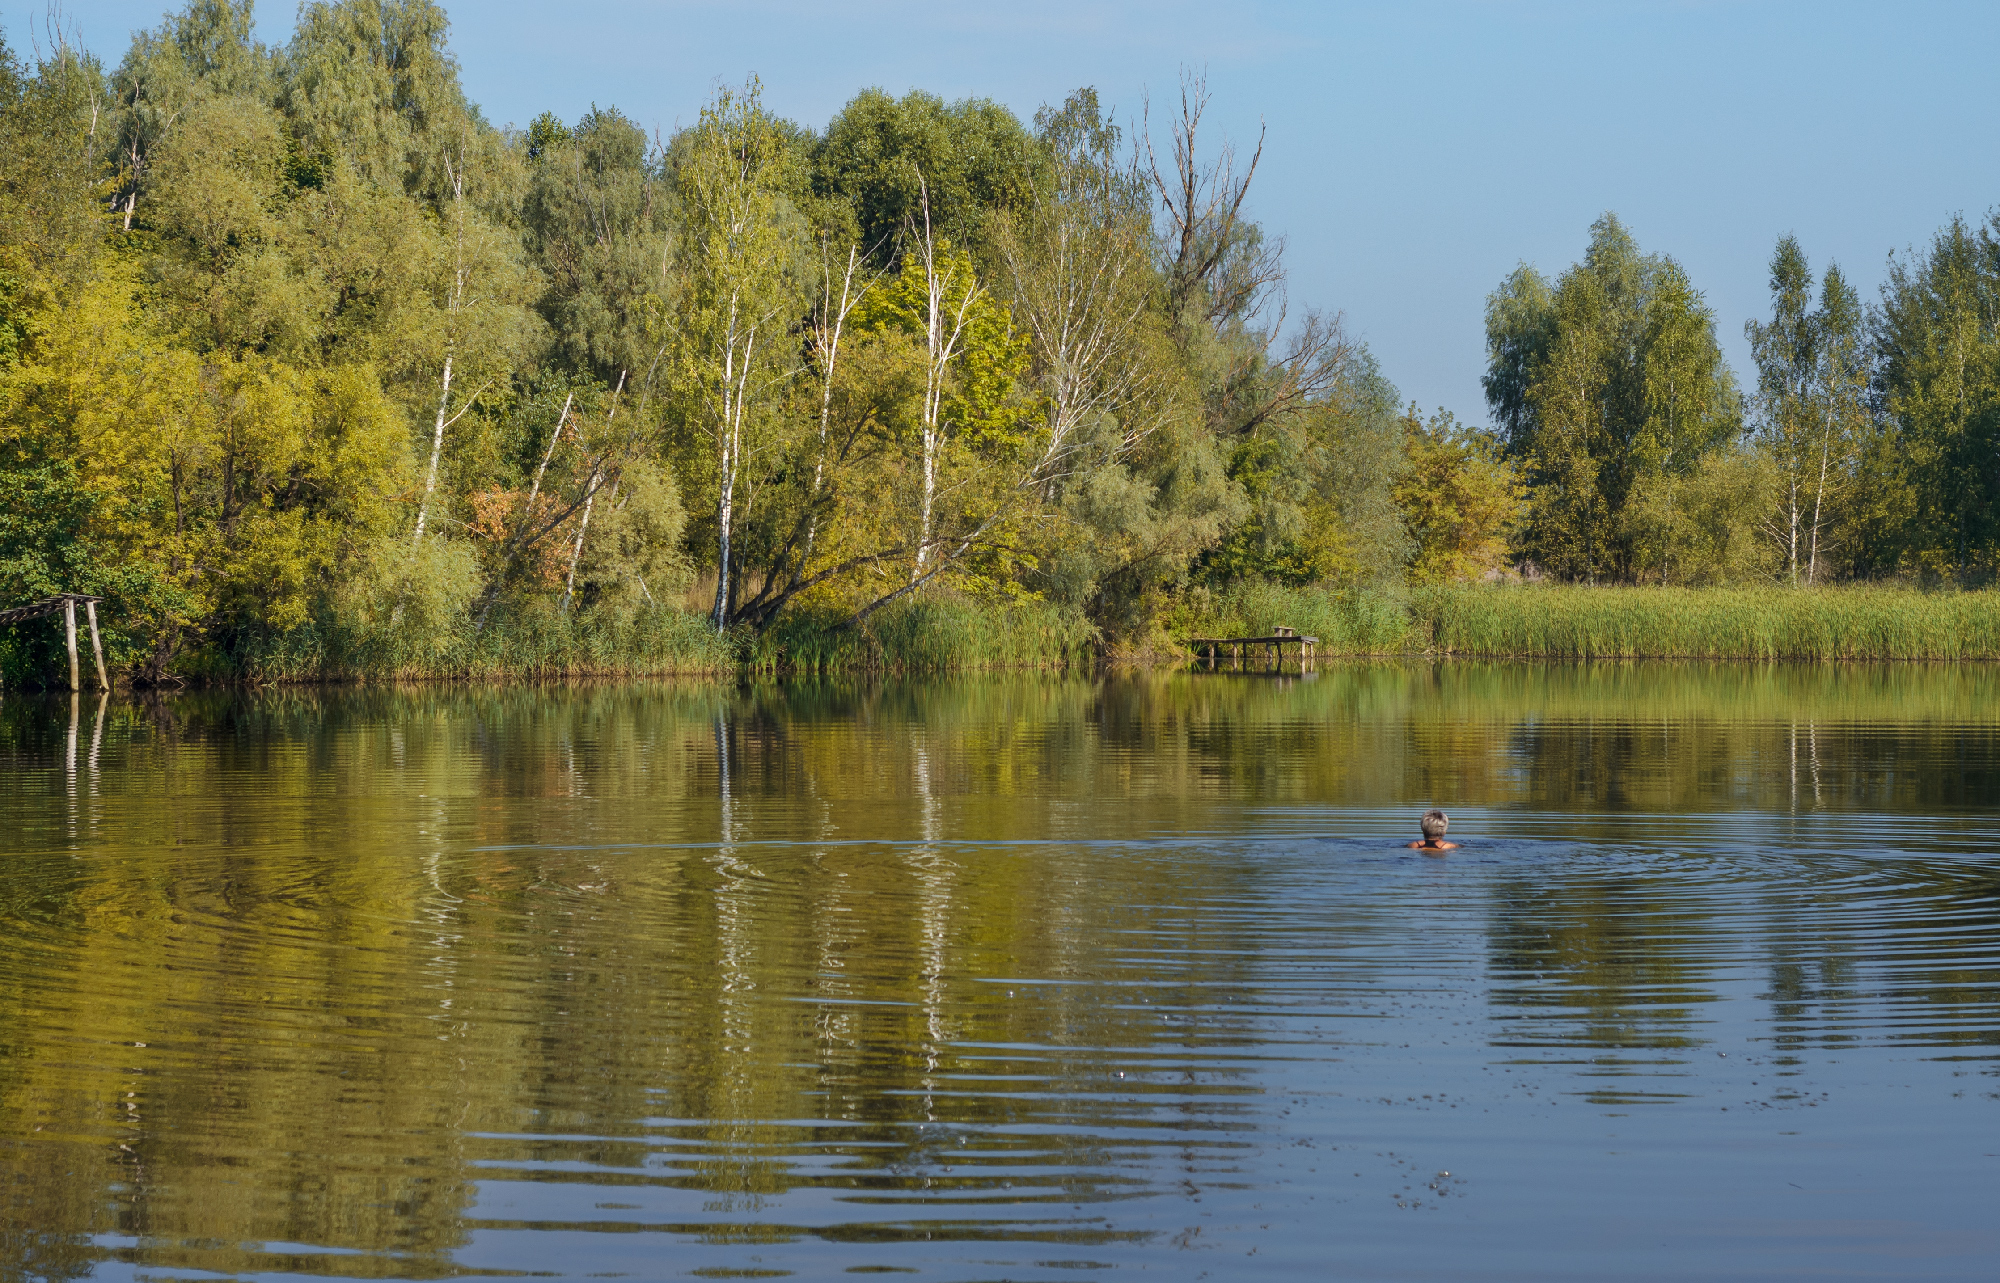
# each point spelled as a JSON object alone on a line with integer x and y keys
{"x": 1862, "y": 622}
{"x": 1357, "y": 621}
{"x": 942, "y": 633}
{"x": 928, "y": 635}
{"x": 935, "y": 634}
{"x": 1845, "y": 623}
{"x": 535, "y": 641}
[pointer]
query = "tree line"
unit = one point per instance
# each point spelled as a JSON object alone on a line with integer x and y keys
{"x": 1869, "y": 447}
{"x": 294, "y": 338}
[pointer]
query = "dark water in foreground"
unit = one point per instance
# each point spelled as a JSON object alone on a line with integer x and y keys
{"x": 1010, "y": 978}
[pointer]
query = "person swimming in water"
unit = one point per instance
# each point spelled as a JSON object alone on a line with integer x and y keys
{"x": 1433, "y": 825}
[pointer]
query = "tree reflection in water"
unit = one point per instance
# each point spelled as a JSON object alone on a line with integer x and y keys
{"x": 459, "y": 978}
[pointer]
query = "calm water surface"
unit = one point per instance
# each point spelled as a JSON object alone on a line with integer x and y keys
{"x": 1010, "y": 978}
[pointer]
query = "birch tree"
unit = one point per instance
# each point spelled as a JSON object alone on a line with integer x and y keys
{"x": 735, "y": 298}
{"x": 1784, "y": 349}
{"x": 455, "y": 304}
{"x": 1841, "y": 374}
{"x": 793, "y": 554}
{"x": 1812, "y": 374}
{"x": 1076, "y": 252}
{"x": 951, "y": 290}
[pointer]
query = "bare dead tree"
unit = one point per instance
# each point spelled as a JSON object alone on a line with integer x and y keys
{"x": 1222, "y": 272}
{"x": 1218, "y": 262}
{"x": 1314, "y": 360}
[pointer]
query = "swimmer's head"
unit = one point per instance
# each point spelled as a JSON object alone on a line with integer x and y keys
{"x": 1433, "y": 824}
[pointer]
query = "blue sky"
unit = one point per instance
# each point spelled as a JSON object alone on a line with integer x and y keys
{"x": 1416, "y": 152}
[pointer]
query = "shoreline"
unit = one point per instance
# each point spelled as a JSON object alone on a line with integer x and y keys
{"x": 1512, "y": 623}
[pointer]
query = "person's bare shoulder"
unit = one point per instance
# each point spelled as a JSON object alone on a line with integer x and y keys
{"x": 1434, "y": 846}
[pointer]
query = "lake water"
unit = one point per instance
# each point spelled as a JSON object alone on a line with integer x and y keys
{"x": 1010, "y": 977}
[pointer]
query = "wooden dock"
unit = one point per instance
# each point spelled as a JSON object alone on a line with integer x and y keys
{"x": 1279, "y": 638}
{"x": 66, "y": 602}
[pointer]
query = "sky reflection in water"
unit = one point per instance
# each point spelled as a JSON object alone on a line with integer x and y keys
{"x": 1010, "y": 977}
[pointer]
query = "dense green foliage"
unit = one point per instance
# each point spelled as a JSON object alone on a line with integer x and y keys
{"x": 1612, "y": 392}
{"x": 1869, "y": 450}
{"x": 311, "y": 371}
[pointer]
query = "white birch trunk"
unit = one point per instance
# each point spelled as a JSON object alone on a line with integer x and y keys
{"x": 576, "y": 550}
{"x": 833, "y": 320}
{"x": 941, "y": 343}
{"x": 452, "y": 304}
{"x": 729, "y": 455}
{"x": 535, "y": 490}
{"x": 437, "y": 450}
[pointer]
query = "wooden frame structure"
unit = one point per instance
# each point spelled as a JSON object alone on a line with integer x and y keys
{"x": 66, "y": 602}
{"x": 1279, "y": 638}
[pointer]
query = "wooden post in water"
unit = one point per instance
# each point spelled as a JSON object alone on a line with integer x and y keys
{"x": 69, "y": 634}
{"x": 96, "y": 647}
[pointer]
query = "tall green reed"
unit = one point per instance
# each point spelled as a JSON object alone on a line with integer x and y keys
{"x": 1573, "y": 622}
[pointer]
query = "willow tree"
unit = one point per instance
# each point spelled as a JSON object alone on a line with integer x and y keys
{"x": 597, "y": 222}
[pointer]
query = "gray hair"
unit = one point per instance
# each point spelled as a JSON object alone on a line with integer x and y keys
{"x": 1433, "y": 823}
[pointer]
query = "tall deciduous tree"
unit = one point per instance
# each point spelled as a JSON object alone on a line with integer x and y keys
{"x": 1935, "y": 501}
{"x": 1608, "y": 387}
{"x": 1811, "y": 377}
{"x": 1075, "y": 247}
{"x": 889, "y": 159}
{"x": 596, "y": 218}
{"x": 1459, "y": 500}
{"x": 734, "y": 294}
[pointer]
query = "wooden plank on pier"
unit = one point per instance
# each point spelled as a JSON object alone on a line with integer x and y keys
{"x": 46, "y": 606}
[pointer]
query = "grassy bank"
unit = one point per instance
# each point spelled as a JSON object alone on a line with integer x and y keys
{"x": 927, "y": 635}
{"x": 1572, "y": 622}
{"x": 943, "y": 634}
{"x": 533, "y": 642}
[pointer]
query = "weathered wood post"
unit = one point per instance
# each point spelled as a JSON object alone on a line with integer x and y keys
{"x": 96, "y": 647}
{"x": 69, "y": 634}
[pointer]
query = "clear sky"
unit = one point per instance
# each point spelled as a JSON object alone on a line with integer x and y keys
{"x": 1416, "y": 151}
